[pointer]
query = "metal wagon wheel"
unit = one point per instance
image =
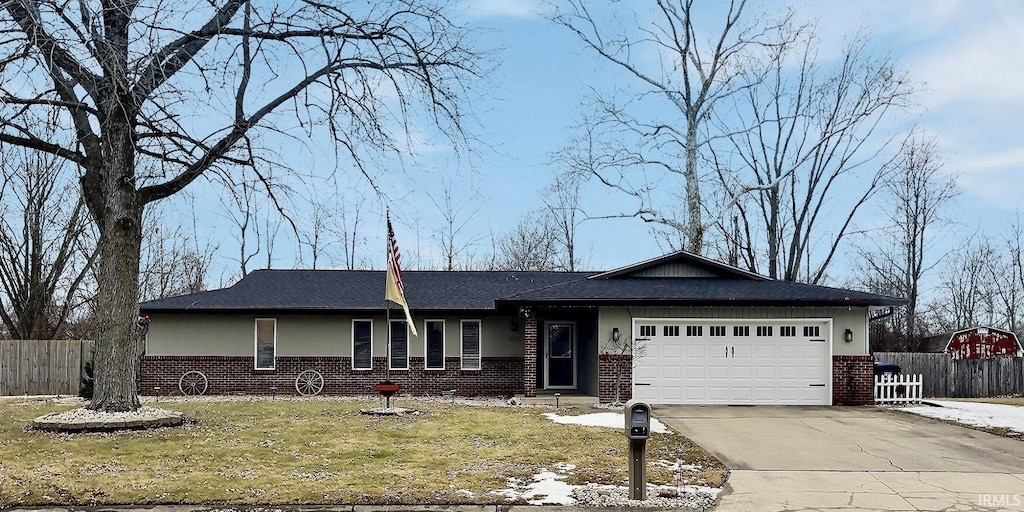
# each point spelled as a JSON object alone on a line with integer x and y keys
{"x": 193, "y": 383}
{"x": 309, "y": 382}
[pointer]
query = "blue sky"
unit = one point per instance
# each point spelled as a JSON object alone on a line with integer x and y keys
{"x": 968, "y": 57}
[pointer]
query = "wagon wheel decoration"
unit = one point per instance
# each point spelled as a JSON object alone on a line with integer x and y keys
{"x": 193, "y": 383}
{"x": 309, "y": 382}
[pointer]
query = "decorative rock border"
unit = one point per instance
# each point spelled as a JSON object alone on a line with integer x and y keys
{"x": 85, "y": 420}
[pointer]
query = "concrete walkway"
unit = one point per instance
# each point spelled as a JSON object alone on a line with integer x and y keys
{"x": 852, "y": 458}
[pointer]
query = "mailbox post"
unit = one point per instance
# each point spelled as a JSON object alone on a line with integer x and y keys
{"x": 638, "y": 429}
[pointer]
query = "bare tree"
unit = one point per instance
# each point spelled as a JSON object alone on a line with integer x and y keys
{"x": 187, "y": 88}
{"x": 799, "y": 177}
{"x": 455, "y": 236}
{"x": 1008, "y": 273}
{"x": 965, "y": 296}
{"x": 531, "y": 245}
{"x": 351, "y": 216}
{"x": 902, "y": 252}
{"x": 172, "y": 260}
{"x": 45, "y": 250}
{"x": 242, "y": 208}
{"x": 562, "y": 201}
{"x": 689, "y": 78}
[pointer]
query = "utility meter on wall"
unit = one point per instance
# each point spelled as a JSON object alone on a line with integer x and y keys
{"x": 638, "y": 420}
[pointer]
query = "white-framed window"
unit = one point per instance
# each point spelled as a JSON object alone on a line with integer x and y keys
{"x": 646, "y": 331}
{"x": 470, "y": 339}
{"x": 812, "y": 331}
{"x": 671, "y": 330}
{"x": 717, "y": 330}
{"x": 362, "y": 344}
{"x": 691, "y": 330}
{"x": 399, "y": 357}
{"x": 764, "y": 330}
{"x": 740, "y": 330}
{"x": 265, "y": 351}
{"x": 787, "y": 331}
{"x": 433, "y": 344}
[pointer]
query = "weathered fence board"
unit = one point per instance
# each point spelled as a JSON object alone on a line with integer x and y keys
{"x": 961, "y": 378}
{"x": 46, "y": 367}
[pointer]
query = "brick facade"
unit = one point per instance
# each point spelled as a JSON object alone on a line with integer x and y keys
{"x": 499, "y": 376}
{"x": 853, "y": 380}
{"x": 529, "y": 374}
{"x": 607, "y": 367}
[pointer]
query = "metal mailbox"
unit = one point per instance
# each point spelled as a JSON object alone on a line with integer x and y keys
{"x": 638, "y": 420}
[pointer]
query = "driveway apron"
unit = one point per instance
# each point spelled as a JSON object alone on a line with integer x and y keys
{"x": 852, "y": 458}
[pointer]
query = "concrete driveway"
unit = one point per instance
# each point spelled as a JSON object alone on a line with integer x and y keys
{"x": 852, "y": 458}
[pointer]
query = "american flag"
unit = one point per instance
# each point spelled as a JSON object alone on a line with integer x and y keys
{"x": 395, "y": 258}
{"x": 394, "y": 288}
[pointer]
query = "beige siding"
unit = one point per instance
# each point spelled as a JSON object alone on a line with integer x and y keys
{"x": 676, "y": 269}
{"x": 843, "y": 318}
{"x": 313, "y": 335}
{"x": 202, "y": 335}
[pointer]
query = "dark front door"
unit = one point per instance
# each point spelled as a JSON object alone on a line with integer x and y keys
{"x": 560, "y": 352}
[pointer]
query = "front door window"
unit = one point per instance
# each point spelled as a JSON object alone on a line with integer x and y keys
{"x": 561, "y": 355}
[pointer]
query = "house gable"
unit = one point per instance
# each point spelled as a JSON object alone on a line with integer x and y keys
{"x": 679, "y": 264}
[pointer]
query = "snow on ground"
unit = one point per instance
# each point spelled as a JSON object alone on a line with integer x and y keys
{"x": 550, "y": 488}
{"x": 974, "y": 413}
{"x": 603, "y": 419}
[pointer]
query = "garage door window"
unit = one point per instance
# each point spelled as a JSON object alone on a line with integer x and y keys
{"x": 646, "y": 331}
{"x": 812, "y": 331}
{"x": 787, "y": 331}
{"x": 717, "y": 330}
{"x": 764, "y": 330}
{"x": 694, "y": 330}
{"x": 741, "y": 330}
{"x": 671, "y": 330}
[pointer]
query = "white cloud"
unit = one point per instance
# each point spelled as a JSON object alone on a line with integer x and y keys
{"x": 496, "y": 8}
{"x": 979, "y": 66}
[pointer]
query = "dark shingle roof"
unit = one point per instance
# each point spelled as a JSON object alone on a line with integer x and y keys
{"x": 697, "y": 291}
{"x": 338, "y": 290}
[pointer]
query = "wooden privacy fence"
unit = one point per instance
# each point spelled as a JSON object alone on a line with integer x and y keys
{"x": 961, "y": 378}
{"x": 898, "y": 389}
{"x": 48, "y": 367}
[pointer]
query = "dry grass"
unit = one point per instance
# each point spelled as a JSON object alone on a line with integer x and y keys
{"x": 313, "y": 451}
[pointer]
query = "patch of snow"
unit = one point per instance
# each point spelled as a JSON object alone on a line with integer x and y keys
{"x": 603, "y": 419}
{"x": 549, "y": 488}
{"x": 978, "y": 414}
{"x": 677, "y": 466}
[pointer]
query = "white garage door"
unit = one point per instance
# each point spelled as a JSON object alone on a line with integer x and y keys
{"x": 733, "y": 362}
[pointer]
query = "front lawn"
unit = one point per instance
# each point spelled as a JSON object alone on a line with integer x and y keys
{"x": 307, "y": 451}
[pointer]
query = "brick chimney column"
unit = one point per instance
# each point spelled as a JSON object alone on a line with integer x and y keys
{"x": 530, "y": 354}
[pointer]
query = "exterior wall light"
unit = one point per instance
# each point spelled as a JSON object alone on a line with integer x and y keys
{"x": 848, "y": 335}
{"x": 616, "y": 335}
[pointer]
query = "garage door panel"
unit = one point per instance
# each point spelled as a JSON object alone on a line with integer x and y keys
{"x": 739, "y": 367}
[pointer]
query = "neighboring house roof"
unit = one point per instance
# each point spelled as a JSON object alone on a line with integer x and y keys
{"x": 675, "y": 279}
{"x": 938, "y": 343}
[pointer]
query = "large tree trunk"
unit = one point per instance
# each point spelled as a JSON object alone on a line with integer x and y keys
{"x": 695, "y": 226}
{"x": 116, "y": 361}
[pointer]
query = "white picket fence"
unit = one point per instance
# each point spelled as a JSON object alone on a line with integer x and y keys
{"x": 898, "y": 389}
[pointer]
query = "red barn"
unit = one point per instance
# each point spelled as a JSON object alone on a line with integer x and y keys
{"x": 974, "y": 343}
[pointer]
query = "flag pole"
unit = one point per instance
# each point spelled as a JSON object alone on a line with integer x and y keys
{"x": 387, "y": 323}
